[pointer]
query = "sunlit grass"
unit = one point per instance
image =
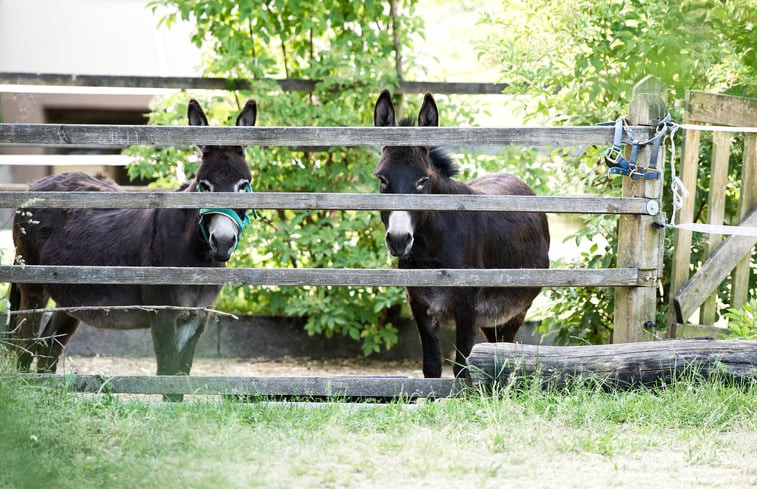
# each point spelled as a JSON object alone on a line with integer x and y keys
{"x": 520, "y": 434}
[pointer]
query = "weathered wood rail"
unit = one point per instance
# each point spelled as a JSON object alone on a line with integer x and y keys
{"x": 493, "y": 277}
{"x": 126, "y": 135}
{"x": 298, "y": 388}
{"x": 216, "y": 83}
{"x": 491, "y": 366}
{"x": 325, "y": 201}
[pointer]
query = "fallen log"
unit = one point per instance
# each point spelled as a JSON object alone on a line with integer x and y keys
{"x": 621, "y": 365}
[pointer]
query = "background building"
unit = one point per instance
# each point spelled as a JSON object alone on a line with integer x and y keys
{"x": 87, "y": 37}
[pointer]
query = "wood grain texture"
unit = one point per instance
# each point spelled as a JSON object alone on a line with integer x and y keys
{"x": 555, "y": 277}
{"x": 721, "y": 110}
{"x": 624, "y": 364}
{"x": 126, "y": 135}
{"x": 638, "y": 238}
{"x": 680, "y": 266}
{"x": 337, "y": 387}
{"x": 748, "y": 201}
{"x": 215, "y": 83}
{"x": 330, "y": 201}
{"x": 721, "y": 150}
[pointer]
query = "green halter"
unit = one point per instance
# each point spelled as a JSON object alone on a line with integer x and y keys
{"x": 230, "y": 213}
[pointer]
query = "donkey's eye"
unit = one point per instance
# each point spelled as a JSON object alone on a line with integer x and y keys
{"x": 204, "y": 186}
{"x": 383, "y": 182}
{"x": 421, "y": 184}
{"x": 242, "y": 186}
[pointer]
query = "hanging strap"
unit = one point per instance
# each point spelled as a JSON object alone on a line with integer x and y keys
{"x": 614, "y": 156}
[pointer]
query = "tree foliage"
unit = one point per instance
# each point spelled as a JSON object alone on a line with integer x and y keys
{"x": 349, "y": 47}
{"x": 579, "y": 59}
{"x": 576, "y": 62}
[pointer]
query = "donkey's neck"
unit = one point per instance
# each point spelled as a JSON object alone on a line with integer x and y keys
{"x": 447, "y": 185}
{"x": 177, "y": 239}
{"x": 428, "y": 243}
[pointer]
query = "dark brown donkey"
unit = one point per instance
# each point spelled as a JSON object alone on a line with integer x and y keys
{"x": 457, "y": 240}
{"x": 130, "y": 237}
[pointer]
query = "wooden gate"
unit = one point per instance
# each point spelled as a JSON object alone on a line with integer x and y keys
{"x": 724, "y": 256}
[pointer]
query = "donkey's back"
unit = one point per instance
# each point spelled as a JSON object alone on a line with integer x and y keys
{"x": 508, "y": 240}
{"x": 75, "y": 182}
{"x": 53, "y": 236}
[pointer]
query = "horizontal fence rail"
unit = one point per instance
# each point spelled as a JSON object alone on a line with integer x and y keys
{"x": 526, "y": 277}
{"x": 215, "y": 83}
{"x": 305, "y": 387}
{"x": 325, "y": 201}
{"x": 126, "y": 135}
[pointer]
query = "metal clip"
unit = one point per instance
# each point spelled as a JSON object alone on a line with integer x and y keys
{"x": 613, "y": 156}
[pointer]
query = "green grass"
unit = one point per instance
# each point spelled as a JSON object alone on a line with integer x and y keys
{"x": 690, "y": 434}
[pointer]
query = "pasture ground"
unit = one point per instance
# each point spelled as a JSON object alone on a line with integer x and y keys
{"x": 687, "y": 435}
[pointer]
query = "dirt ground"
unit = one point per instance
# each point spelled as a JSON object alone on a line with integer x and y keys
{"x": 246, "y": 367}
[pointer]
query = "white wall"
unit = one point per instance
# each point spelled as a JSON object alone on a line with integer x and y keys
{"x": 110, "y": 37}
{"x": 116, "y": 37}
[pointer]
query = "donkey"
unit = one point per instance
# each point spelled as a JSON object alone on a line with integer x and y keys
{"x": 129, "y": 237}
{"x": 425, "y": 239}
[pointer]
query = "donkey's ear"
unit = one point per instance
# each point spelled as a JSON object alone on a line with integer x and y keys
{"x": 383, "y": 113}
{"x": 249, "y": 114}
{"x": 195, "y": 114}
{"x": 429, "y": 115}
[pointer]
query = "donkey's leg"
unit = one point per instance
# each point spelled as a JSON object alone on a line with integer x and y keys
{"x": 189, "y": 328}
{"x": 505, "y": 332}
{"x": 25, "y": 326}
{"x": 163, "y": 331}
{"x": 432, "y": 354}
{"x": 465, "y": 333}
{"x": 174, "y": 337}
{"x": 53, "y": 339}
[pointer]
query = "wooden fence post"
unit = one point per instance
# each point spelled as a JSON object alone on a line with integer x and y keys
{"x": 639, "y": 241}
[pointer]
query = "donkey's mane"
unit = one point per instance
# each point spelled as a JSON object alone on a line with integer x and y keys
{"x": 442, "y": 161}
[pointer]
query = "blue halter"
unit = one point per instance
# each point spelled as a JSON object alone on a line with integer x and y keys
{"x": 230, "y": 213}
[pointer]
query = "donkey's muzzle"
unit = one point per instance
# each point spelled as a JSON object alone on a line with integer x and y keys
{"x": 222, "y": 247}
{"x": 399, "y": 244}
{"x": 221, "y": 229}
{"x": 399, "y": 233}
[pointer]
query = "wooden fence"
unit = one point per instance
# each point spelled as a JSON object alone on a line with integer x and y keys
{"x": 198, "y": 83}
{"x": 639, "y": 253}
{"x": 724, "y": 256}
